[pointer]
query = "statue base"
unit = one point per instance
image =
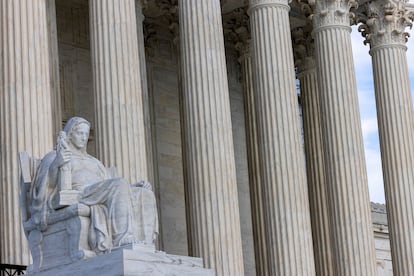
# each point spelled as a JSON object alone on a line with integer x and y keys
{"x": 132, "y": 260}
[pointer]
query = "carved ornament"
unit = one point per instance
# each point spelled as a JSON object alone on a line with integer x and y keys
{"x": 384, "y": 22}
{"x": 329, "y": 12}
{"x": 303, "y": 48}
{"x": 236, "y": 28}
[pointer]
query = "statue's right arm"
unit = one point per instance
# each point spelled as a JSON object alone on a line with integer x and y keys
{"x": 62, "y": 157}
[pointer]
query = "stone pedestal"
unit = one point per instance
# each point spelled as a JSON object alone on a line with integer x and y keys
{"x": 133, "y": 261}
{"x": 282, "y": 170}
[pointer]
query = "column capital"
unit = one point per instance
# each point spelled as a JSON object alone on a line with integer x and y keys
{"x": 140, "y": 5}
{"x": 236, "y": 27}
{"x": 161, "y": 17}
{"x": 303, "y": 49}
{"x": 245, "y": 49}
{"x": 254, "y": 4}
{"x": 384, "y": 22}
{"x": 330, "y": 13}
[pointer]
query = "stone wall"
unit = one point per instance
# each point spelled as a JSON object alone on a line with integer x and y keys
{"x": 382, "y": 239}
{"x": 75, "y": 67}
{"x": 166, "y": 133}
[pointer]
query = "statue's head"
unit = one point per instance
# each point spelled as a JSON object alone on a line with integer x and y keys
{"x": 77, "y": 133}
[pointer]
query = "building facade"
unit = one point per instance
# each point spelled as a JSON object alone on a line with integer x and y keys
{"x": 200, "y": 98}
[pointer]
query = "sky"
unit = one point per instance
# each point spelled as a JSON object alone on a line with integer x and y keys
{"x": 365, "y": 84}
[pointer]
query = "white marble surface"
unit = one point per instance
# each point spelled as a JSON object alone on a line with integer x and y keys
{"x": 313, "y": 142}
{"x": 117, "y": 213}
{"x": 25, "y": 110}
{"x": 385, "y": 28}
{"x": 282, "y": 167}
{"x": 213, "y": 209}
{"x": 344, "y": 157}
{"x": 135, "y": 261}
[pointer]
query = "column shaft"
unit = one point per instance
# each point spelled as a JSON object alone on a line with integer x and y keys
{"x": 344, "y": 153}
{"x": 255, "y": 184}
{"x": 384, "y": 24}
{"x": 209, "y": 155}
{"x": 395, "y": 123}
{"x": 285, "y": 199}
{"x": 120, "y": 135}
{"x": 322, "y": 243}
{"x": 25, "y": 110}
{"x": 54, "y": 67}
{"x": 144, "y": 86}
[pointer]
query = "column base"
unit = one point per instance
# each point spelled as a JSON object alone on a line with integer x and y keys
{"x": 132, "y": 260}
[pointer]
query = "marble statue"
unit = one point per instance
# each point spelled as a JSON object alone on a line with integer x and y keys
{"x": 117, "y": 213}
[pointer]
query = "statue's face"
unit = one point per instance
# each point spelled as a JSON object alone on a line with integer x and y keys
{"x": 79, "y": 136}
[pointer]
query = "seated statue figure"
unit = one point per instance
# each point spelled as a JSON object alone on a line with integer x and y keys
{"x": 120, "y": 213}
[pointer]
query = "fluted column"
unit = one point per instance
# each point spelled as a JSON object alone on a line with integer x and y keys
{"x": 384, "y": 29}
{"x": 285, "y": 199}
{"x": 309, "y": 91}
{"x": 120, "y": 131}
{"x": 144, "y": 86}
{"x": 255, "y": 184}
{"x": 343, "y": 146}
{"x": 209, "y": 156}
{"x": 54, "y": 67}
{"x": 25, "y": 110}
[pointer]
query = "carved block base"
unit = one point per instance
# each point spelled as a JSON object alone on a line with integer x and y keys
{"x": 64, "y": 241}
{"x": 66, "y": 198}
{"x": 137, "y": 260}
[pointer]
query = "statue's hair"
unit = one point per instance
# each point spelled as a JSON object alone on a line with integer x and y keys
{"x": 74, "y": 122}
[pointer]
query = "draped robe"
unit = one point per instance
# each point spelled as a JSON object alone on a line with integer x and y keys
{"x": 120, "y": 213}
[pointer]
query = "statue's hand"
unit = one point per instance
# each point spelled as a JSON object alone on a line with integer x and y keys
{"x": 144, "y": 184}
{"x": 63, "y": 156}
{"x": 147, "y": 185}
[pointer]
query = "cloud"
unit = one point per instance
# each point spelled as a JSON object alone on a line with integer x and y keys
{"x": 369, "y": 127}
{"x": 410, "y": 58}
